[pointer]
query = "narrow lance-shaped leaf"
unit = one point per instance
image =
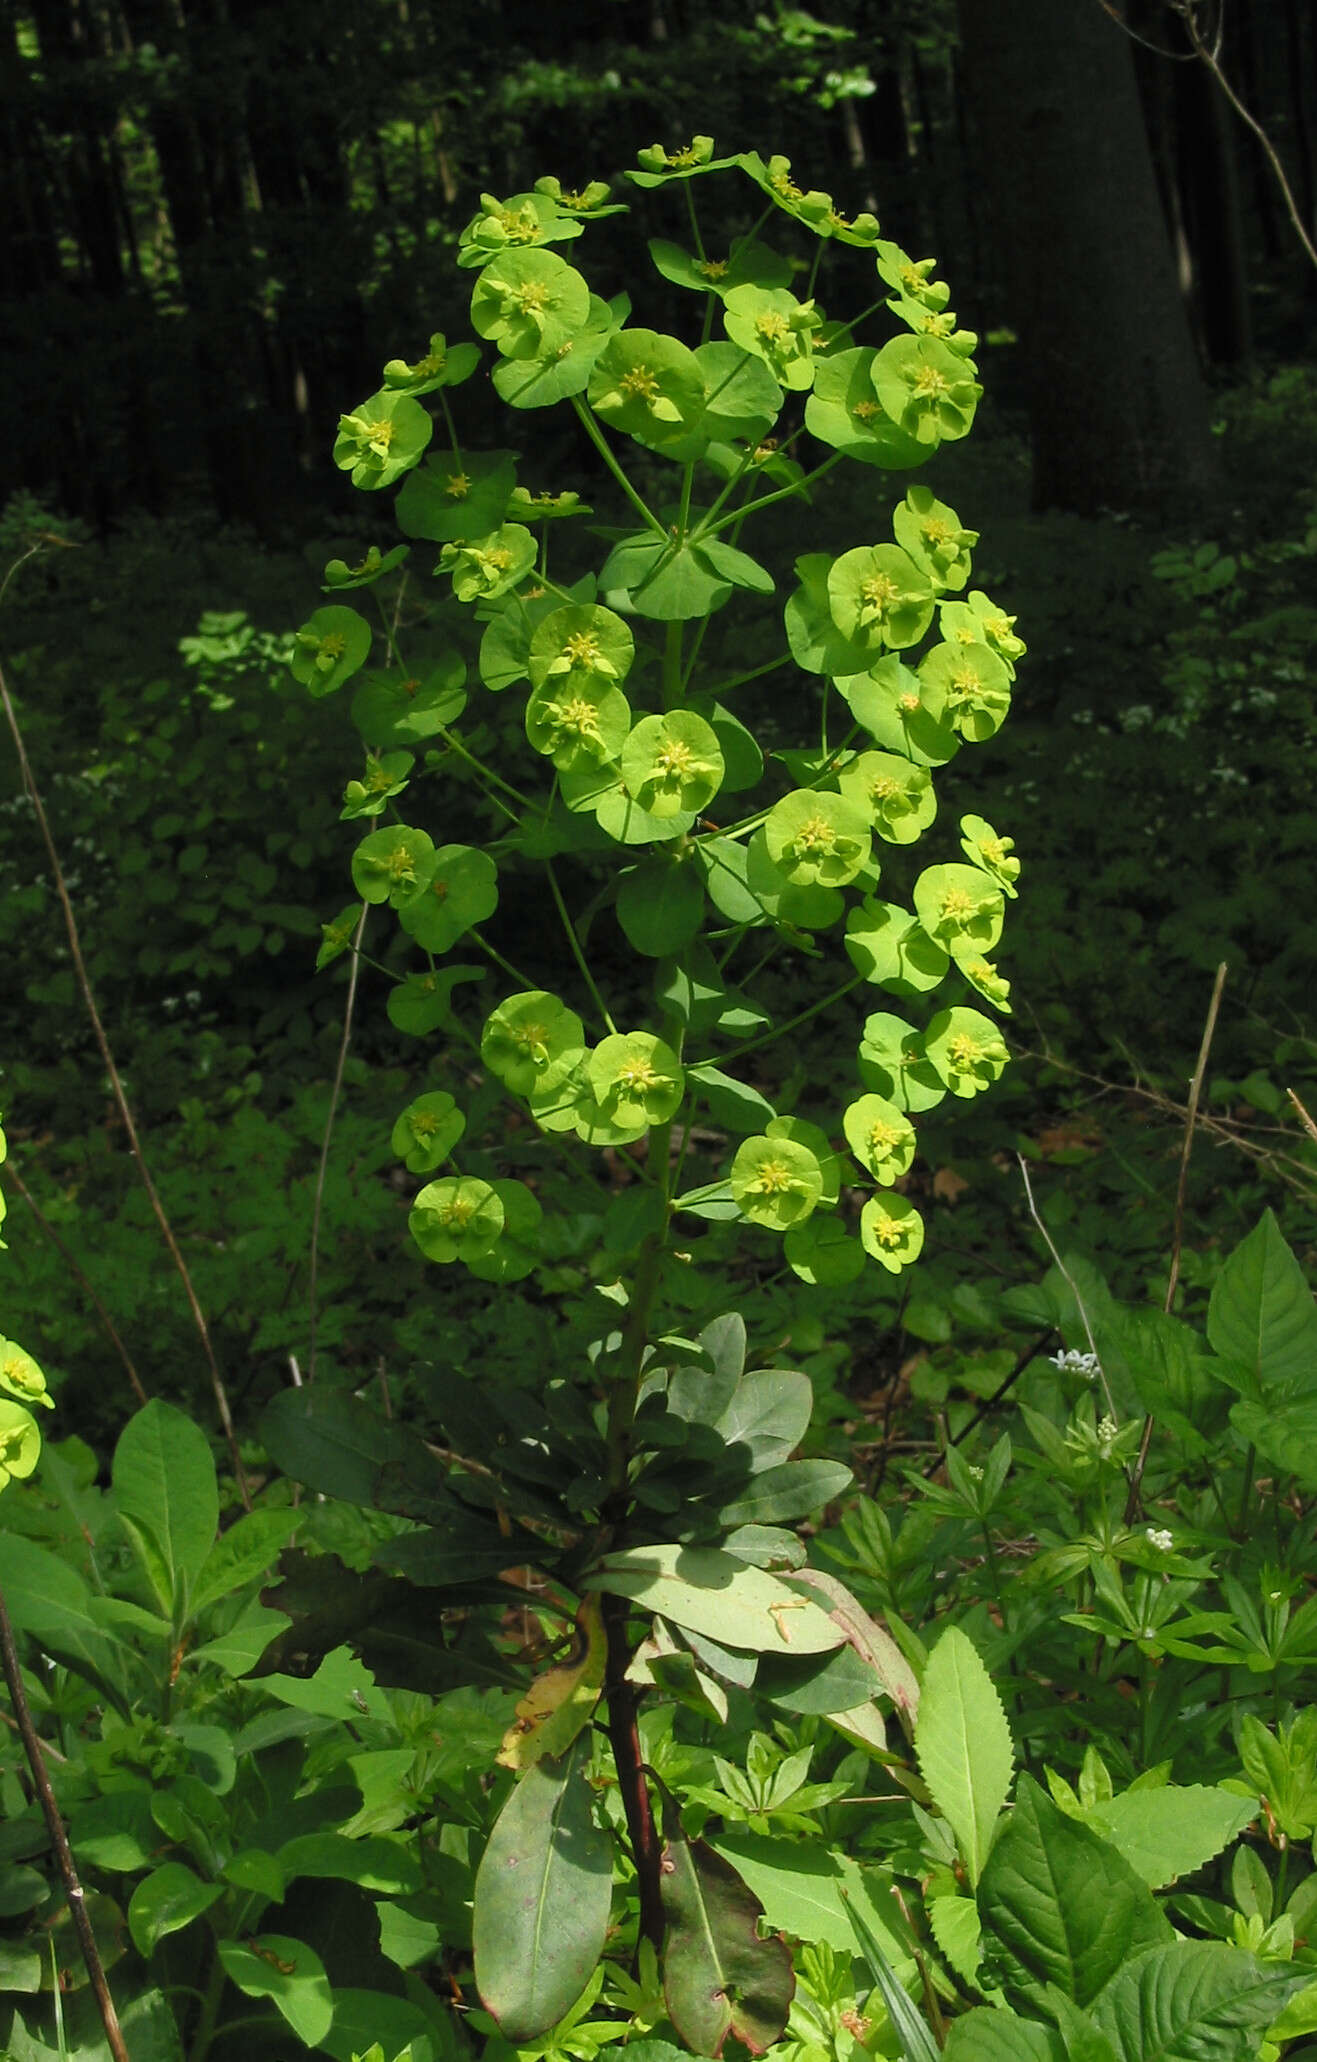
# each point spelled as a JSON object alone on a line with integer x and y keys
{"x": 719, "y": 1977}
{"x": 542, "y": 1895}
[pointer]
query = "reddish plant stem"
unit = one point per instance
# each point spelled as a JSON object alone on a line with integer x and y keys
{"x": 624, "y": 1733}
{"x": 59, "y": 1840}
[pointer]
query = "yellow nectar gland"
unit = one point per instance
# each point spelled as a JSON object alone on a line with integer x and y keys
{"x": 882, "y": 1137}
{"x": 519, "y": 225}
{"x": 935, "y": 531}
{"x": 399, "y": 865}
{"x": 20, "y": 1373}
{"x": 836, "y": 220}
{"x": 912, "y": 280}
{"x": 379, "y": 435}
{"x": 424, "y": 1124}
{"x": 888, "y": 1231}
{"x": 531, "y": 296}
{"x": 786, "y": 187}
{"x": 533, "y": 1039}
{"x": 458, "y": 486}
{"x": 884, "y": 788}
{"x": 865, "y": 411}
{"x": 958, "y": 906}
{"x": 908, "y": 702}
{"x": 964, "y": 1052}
{"x": 965, "y": 684}
{"x": 494, "y": 561}
{"x": 639, "y": 383}
{"x": 816, "y": 834}
{"x": 456, "y": 1214}
{"x": 996, "y": 850}
{"x": 682, "y": 160}
{"x": 582, "y": 649}
{"x": 431, "y": 365}
{"x": 676, "y": 759}
{"x": 773, "y": 1178}
{"x": 378, "y": 780}
{"x": 637, "y": 1076}
{"x": 333, "y": 646}
{"x": 578, "y": 718}
{"x": 878, "y": 591}
{"x": 930, "y": 384}
{"x": 772, "y": 327}
{"x": 712, "y": 268}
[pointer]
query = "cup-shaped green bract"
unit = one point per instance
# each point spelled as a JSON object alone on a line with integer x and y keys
{"x": 458, "y": 888}
{"x": 911, "y": 278}
{"x": 329, "y": 648}
{"x": 491, "y": 565}
{"x": 456, "y": 1218}
{"x": 881, "y": 1137}
{"x": 815, "y": 210}
{"x": 529, "y": 303}
{"x": 966, "y": 1050}
{"x": 427, "y": 1131}
{"x": 815, "y": 1139}
{"x": 888, "y": 945}
{"x": 902, "y": 711}
{"x": 773, "y": 325}
{"x": 457, "y": 498}
{"x": 586, "y": 200}
{"x": 817, "y": 839}
{"x": 977, "y": 620}
{"x": 578, "y": 722}
{"x": 390, "y": 865}
{"x": 512, "y": 1259}
{"x": 649, "y": 386}
{"x": 382, "y": 439}
{"x": 368, "y": 569}
{"x": 775, "y": 1182}
{"x": 521, "y": 223}
{"x": 892, "y": 1231}
{"x": 973, "y": 686}
{"x": 897, "y": 797}
{"x": 532, "y": 1041}
{"x": 960, "y": 906}
{"x": 821, "y": 1252}
{"x": 635, "y": 1075}
{"x": 583, "y": 641}
{"x": 440, "y": 366}
{"x": 21, "y": 1377}
{"x": 879, "y": 597}
{"x": 844, "y": 411}
{"x": 672, "y": 765}
{"x": 933, "y": 535}
{"x": 20, "y": 1442}
{"x": 981, "y": 843}
{"x": 336, "y": 937}
{"x": 748, "y": 263}
{"x": 894, "y": 1065}
{"x": 400, "y": 708}
{"x": 983, "y": 974}
{"x": 927, "y": 388}
{"x": 385, "y": 776}
{"x": 573, "y": 1106}
{"x": 658, "y": 164}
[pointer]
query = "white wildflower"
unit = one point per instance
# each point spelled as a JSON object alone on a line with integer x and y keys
{"x": 1161, "y": 1539}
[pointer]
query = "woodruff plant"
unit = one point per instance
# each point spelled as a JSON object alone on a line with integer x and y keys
{"x": 653, "y": 1483}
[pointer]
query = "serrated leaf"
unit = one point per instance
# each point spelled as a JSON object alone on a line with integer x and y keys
{"x": 542, "y": 1896}
{"x": 963, "y": 1744}
{"x": 1192, "y": 2001}
{"x": 992, "y": 2034}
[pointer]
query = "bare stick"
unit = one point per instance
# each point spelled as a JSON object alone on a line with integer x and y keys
{"x": 59, "y": 1840}
{"x": 1304, "y": 1118}
{"x": 1068, "y": 1279}
{"x": 69, "y": 1261}
{"x": 117, "y": 1088}
{"x": 334, "y": 1094}
{"x": 1177, "y": 1230}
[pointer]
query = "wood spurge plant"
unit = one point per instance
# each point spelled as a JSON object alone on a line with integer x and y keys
{"x": 583, "y": 729}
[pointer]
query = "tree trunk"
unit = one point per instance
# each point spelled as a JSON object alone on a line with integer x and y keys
{"x": 1117, "y": 405}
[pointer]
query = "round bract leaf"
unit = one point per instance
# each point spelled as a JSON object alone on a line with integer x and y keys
{"x": 579, "y": 720}
{"x": 390, "y": 865}
{"x": 455, "y": 496}
{"x": 529, "y": 303}
{"x": 440, "y": 367}
{"x": 574, "y": 1106}
{"x": 844, "y": 411}
{"x": 660, "y": 905}
{"x": 821, "y": 1253}
{"x": 816, "y": 1140}
{"x": 881, "y": 1137}
{"x": 747, "y": 264}
{"x": 427, "y": 1131}
{"x": 525, "y": 221}
{"x": 928, "y": 389}
{"x": 932, "y": 534}
{"x": 329, "y": 648}
{"x": 775, "y": 1181}
{"x": 972, "y": 685}
{"x": 513, "y": 1258}
{"x": 892, "y": 1231}
{"x": 966, "y": 1050}
{"x": 635, "y": 1076}
{"x": 817, "y": 839}
{"x": 399, "y": 708}
{"x": 889, "y": 946}
{"x": 20, "y": 1442}
{"x": 807, "y": 906}
{"x": 382, "y": 439}
{"x": 422, "y": 1002}
{"x": 773, "y": 325}
{"x": 459, "y": 889}
{"x": 896, "y": 796}
{"x": 491, "y": 565}
{"x": 581, "y": 641}
{"x": 532, "y": 1042}
{"x": 672, "y": 765}
{"x": 983, "y": 974}
{"x": 456, "y": 1218}
{"x": 20, "y": 1376}
{"x": 744, "y": 400}
{"x": 541, "y": 382}
{"x": 894, "y": 1065}
{"x": 879, "y": 597}
{"x": 979, "y": 621}
{"x": 902, "y": 711}
{"x": 649, "y": 386}
{"x": 982, "y": 844}
{"x": 960, "y": 906}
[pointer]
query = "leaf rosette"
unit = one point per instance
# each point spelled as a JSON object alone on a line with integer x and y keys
{"x": 532, "y": 1042}
{"x": 672, "y": 765}
{"x": 817, "y": 839}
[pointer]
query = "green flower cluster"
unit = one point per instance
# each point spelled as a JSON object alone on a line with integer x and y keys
{"x": 21, "y": 1379}
{"x": 646, "y": 763}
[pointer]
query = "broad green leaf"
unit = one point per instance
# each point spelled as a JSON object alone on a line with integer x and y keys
{"x": 542, "y": 1898}
{"x": 660, "y": 905}
{"x": 1063, "y": 1904}
{"x": 560, "y": 1700}
{"x": 992, "y": 2034}
{"x": 374, "y": 1861}
{"x": 242, "y": 1553}
{"x": 770, "y": 1414}
{"x": 1192, "y": 2001}
{"x": 330, "y": 1441}
{"x": 364, "y": 2018}
{"x": 116, "y": 1831}
{"x": 164, "y": 1485}
{"x": 964, "y": 1746}
{"x": 808, "y": 1889}
{"x": 869, "y": 1639}
{"x": 1170, "y": 1832}
{"x": 1262, "y": 1314}
{"x": 340, "y": 1687}
{"x": 719, "y": 1977}
{"x": 1285, "y": 1434}
{"x": 792, "y": 1490}
{"x": 290, "y": 1974}
{"x": 838, "y": 1682}
{"x": 712, "y": 1592}
{"x": 734, "y": 1105}
{"x": 170, "y": 1898}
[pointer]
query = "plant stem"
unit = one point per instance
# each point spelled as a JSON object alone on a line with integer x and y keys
{"x": 600, "y": 442}
{"x": 120, "y": 1096}
{"x": 574, "y": 944}
{"x": 322, "y": 1171}
{"x": 796, "y": 487}
{"x": 801, "y": 1017}
{"x": 59, "y": 1840}
{"x": 624, "y": 1736}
